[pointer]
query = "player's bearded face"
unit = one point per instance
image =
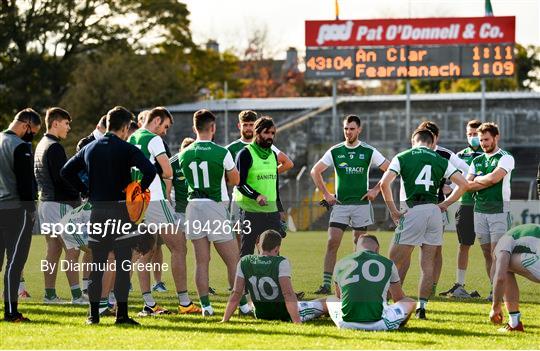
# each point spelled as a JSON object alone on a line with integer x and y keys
{"x": 351, "y": 132}
{"x": 488, "y": 142}
{"x": 246, "y": 130}
{"x": 266, "y": 138}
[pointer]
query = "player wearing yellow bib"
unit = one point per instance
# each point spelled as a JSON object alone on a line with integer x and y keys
{"x": 362, "y": 281}
{"x": 351, "y": 203}
{"x": 422, "y": 171}
{"x": 517, "y": 252}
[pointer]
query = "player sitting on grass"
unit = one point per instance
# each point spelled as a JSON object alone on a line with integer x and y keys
{"x": 268, "y": 278}
{"x": 517, "y": 252}
{"x": 362, "y": 281}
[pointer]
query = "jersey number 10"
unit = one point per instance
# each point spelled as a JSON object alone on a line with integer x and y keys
{"x": 258, "y": 288}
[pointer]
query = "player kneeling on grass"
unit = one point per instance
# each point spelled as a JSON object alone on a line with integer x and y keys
{"x": 363, "y": 280}
{"x": 517, "y": 252}
{"x": 268, "y": 279}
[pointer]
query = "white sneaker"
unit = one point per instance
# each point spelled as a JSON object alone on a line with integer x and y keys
{"x": 54, "y": 301}
{"x": 83, "y": 300}
{"x": 207, "y": 311}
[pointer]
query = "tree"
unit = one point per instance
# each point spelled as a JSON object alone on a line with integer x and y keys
{"x": 41, "y": 42}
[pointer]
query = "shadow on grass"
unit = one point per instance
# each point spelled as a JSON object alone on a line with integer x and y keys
{"x": 441, "y": 331}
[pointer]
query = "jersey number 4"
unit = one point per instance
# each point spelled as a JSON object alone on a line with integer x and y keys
{"x": 424, "y": 178}
{"x": 195, "y": 171}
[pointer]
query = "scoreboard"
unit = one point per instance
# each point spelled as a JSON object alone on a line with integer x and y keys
{"x": 422, "y": 48}
{"x": 395, "y": 62}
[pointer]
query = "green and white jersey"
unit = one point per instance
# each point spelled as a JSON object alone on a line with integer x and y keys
{"x": 236, "y": 146}
{"x": 351, "y": 166}
{"x": 496, "y": 198}
{"x": 261, "y": 275}
{"x": 524, "y": 238}
{"x": 468, "y": 154}
{"x": 421, "y": 170}
{"x": 179, "y": 185}
{"x": 364, "y": 278}
{"x": 151, "y": 146}
{"x": 203, "y": 164}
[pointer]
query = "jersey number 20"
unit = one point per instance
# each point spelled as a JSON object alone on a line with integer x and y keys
{"x": 347, "y": 278}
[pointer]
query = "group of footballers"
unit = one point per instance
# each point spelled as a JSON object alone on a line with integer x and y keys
{"x": 190, "y": 187}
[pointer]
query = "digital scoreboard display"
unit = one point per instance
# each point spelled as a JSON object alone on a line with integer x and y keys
{"x": 421, "y": 62}
{"x": 410, "y": 48}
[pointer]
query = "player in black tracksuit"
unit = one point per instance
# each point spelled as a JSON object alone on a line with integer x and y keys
{"x": 17, "y": 204}
{"x": 108, "y": 162}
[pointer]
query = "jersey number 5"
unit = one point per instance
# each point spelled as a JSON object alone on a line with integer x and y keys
{"x": 194, "y": 170}
{"x": 424, "y": 178}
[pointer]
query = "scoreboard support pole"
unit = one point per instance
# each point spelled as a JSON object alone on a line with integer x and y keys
{"x": 335, "y": 121}
{"x": 225, "y": 92}
{"x": 407, "y": 109}
{"x": 483, "y": 100}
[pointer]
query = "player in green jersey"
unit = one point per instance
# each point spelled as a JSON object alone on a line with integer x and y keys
{"x": 517, "y": 252}
{"x": 352, "y": 160}
{"x": 490, "y": 175}
{"x": 420, "y": 224}
{"x": 362, "y": 281}
{"x": 465, "y": 215}
{"x": 207, "y": 167}
{"x": 267, "y": 277}
{"x": 160, "y": 211}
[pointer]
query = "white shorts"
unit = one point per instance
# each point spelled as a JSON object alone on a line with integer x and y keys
{"x": 180, "y": 217}
{"x": 531, "y": 262}
{"x": 158, "y": 212}
{"x": 421, "y": 224}
{"x": 391, "y": 319}
{"x": 51, "y": 212}
{"x": 76, "y": 219}
{"x": 207, "y": 218}
{"x": 355, "y": 216}
{"x": 490, "y": 227}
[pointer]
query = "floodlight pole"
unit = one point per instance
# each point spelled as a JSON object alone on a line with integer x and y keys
{"x": 483, "y": 100}
{"x": 225, "y": 91}
{"x": 407, "y": 109}
{"x": 335, "y": 121}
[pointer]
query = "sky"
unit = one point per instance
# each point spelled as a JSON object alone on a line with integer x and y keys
{"x": 231, "y": 21}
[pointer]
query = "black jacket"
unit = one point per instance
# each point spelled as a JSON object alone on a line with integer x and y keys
{"x": 50, "y": 157}
{"x": 108, "y": 162}
{"x": 85, "y": 141}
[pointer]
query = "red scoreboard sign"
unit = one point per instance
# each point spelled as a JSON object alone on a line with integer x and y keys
{"x": 411, "y": 31}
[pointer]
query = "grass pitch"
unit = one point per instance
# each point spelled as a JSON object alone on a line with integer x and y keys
{"x": 452, "y": 324}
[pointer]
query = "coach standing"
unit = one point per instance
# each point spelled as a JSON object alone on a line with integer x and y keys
{"x": 108, "y": 162}
{"x": 17, "y": 207}
{"x": 257, "y": 193}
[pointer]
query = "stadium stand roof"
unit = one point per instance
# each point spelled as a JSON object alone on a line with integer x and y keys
{"x": 306, "y": 103}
